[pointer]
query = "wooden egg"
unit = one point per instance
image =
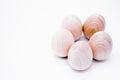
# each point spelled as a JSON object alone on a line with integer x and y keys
{"x": 80, "y": 56}
{"x": 93, "y": 24}
{"x": 61, "y": 42}
{"x": 101, "y": 44}
{"x": 74, "y": 25}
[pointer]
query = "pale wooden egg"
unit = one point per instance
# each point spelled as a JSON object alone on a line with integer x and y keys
{"x": 80, "y": 55}
{"x": 74, "y": 25}
{"x": 101, "y": 44}
{"x": 61, "y": 42}
{"x": 93, "y": 24}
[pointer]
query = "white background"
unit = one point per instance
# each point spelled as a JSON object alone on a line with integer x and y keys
{"x": 26, "y": 29}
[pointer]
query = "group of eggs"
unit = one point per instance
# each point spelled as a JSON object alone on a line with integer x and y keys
{"x": 65, "y": 42}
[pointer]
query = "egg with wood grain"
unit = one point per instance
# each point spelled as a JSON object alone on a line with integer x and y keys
{"x": 61, "y": 42}
{"x": 93, "y": 23}
{"x": 80, "y": 56}
{"x": 101, "y": 44}
{"x": 74, "y": 25}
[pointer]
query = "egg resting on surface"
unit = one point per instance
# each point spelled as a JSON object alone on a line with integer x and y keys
{"x": 80, "y": 56}
{"x": 61, "y": 42}
{"x": 93, "y": 23}
{"x": 101, "y": 44}
{"x": 74, "y": 25}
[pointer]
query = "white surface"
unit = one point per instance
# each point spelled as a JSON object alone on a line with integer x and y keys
{"x": 26, "y": 29}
